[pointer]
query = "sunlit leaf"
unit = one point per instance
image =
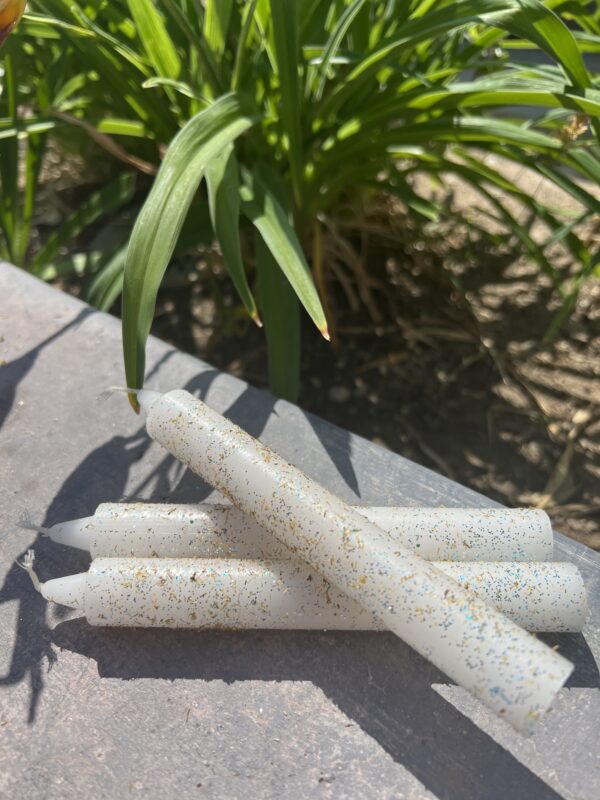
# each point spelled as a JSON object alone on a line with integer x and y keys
{"x": 224, "y": 202}
{"x": 160, "y": 221}
{"x": 262, "y": 204}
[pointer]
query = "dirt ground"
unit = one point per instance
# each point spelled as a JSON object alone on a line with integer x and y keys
{"x": 436, "y": 355}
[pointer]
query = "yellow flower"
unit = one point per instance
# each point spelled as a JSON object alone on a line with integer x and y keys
{"x": 11, "y": 12}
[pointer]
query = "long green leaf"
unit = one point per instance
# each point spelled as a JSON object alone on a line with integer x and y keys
{"x": 529, "y": 18}
{"x": 586, "y": 161}
{"x": 483, "y": 94}
{"x": 35, "y": 149}
{"x": 281, "y": 314}
{"x": 155, "y": 38}
{"x": 569, "y": 301}
{"x": 334, "y": 42}
{"x": 477, "y": 130}
{"x": 243, "y": 45}
{"x": 401, "y": 189}
{"x": 261, "y": 204}
{"x": 30, "y": 126}
{"x": 224, "y": 202}
{"x": 9, "y": 154}
{"x": 107, "y": 285}
{"x": 285, "y": 38}
{"x": 217, "y": 16}
{"x": 158, "y": 225}
{"x": 199, "y": 44}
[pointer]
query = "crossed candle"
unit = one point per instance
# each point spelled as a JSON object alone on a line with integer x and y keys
{"x": 482, "y": 650}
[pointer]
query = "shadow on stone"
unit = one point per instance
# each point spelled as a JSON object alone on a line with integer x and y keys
{"x": 336, "y": 443}
{"x": 574, "y": 647}
{"x": 373, "y": 678}
{"x": 15, "y": 371}
{"x": 101, "y": 475}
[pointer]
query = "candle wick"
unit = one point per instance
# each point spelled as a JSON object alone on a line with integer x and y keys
{"x": 107, "y": 393}
{"x": 27, "y": 565}
{"x": 140, "y": 399}
{"x": 26, "y": 523}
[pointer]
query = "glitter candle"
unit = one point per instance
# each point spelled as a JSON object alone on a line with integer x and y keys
{"x": 251, "y": 593}
{"x": 213, "y": 531}
{"x": 512, "y": 672}
{"x": 539, "y": 596}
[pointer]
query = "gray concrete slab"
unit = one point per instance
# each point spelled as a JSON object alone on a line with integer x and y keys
{"x": 157, "y": 714}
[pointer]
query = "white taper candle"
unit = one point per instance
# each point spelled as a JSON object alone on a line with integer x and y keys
{"x": 539, "y": 596}
{"x": 165, "y": 530}
{"x": 509, "y": 670}
{"x": 252, "y": 593}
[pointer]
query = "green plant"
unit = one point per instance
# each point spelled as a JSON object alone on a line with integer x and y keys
{"x": 22, "y": 145}
{"x": 287, "y": 106}
{"x": 36, "y": 89}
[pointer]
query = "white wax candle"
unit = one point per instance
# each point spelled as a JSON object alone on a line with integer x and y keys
{"x": 251, "y": 593}
{"x": 539, "y": 596}
{"x": 509, "y": 670}
{"x": 212, "y": 531}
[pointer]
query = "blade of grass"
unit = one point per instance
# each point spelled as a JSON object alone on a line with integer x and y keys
{"x": 475, "y": 130}
{"x": 209, "y": 67}
{"x": 529, "y": 18}
{"x": 155, "y": 38}
{"x": 559, "y": 319}
{"x": 287, "y": 58}
{"x": 9, "y": 154}
{"x": 217, "y": 15}
{"x": 222, "y": 180}
{"x": 333, "y": 44}
{"x": 402, "y": 190}
{"x": 260, "y": 203}
{"x": 35, "y": 150}
{"x": 281, "y": 314}
{"x": 160, "y": 221}
{"x": 243, "y": 45}
{"x": 107, "y": 284}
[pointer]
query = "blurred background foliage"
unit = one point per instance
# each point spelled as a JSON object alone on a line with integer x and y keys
{"x": 299, "y": 114}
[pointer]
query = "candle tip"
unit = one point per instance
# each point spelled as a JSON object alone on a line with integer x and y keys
{"x": 27, "y": 565}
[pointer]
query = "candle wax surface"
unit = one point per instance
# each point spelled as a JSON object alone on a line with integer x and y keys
{"x": 253, "y": 593}
{"x": 212, "y": 530}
